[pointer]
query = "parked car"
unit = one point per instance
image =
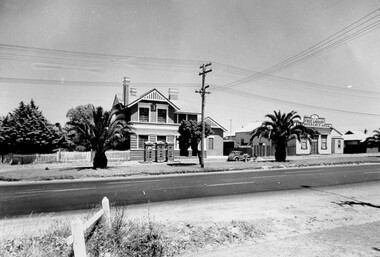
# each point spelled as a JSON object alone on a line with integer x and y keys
{"x": 238, "y": 156}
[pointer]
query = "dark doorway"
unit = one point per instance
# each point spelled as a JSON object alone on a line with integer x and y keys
{"x": 314, "y": 146}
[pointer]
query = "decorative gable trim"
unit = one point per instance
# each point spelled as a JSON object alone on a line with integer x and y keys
{"x": 154, "y": 95}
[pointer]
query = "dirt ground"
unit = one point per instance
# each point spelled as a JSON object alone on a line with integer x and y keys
{"x": 328, "y": 221}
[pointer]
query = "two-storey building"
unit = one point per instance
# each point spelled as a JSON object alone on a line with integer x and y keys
{"x": 156, "y": 117}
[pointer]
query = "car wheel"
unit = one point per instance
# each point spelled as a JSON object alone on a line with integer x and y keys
{"x": 236, "y": 159}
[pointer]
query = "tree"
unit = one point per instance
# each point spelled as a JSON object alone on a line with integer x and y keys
{"x": 77, "y": 142}
{"x": 374, "y": 140}
{"x": 190, "y": 135}
{"x": 280, "y": 129}
{"x": 27, "y": 131}
{"x": 103, "y": 131}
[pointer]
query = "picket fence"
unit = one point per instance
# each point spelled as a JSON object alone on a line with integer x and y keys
{"x": 78, "y": 229}
{"x": 62, "y": 156}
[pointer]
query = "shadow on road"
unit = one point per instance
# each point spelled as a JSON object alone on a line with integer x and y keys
{"x": 77, "y": 168}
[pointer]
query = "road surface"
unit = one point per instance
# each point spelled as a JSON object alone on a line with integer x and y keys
{"x": 24, "y": 199}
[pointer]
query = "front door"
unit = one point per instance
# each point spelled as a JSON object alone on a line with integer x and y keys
{"x": 314, "y": 146}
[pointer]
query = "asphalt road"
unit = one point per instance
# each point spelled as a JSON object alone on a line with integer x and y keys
{"x": 24, "y": 199}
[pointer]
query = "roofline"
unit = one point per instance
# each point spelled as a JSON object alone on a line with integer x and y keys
{"x": 208, "y": 117}
{"x": 147, "y": 93}
{"x": 185, "y": 112}
{"x": 337, "y": 131}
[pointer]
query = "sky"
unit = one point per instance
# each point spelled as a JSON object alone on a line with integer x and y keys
{"x": 314, "y": 57}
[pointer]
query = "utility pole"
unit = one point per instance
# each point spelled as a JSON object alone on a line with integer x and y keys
{"x": 203, "y": 93}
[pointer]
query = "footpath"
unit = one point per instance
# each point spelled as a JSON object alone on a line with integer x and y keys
{"x": 69, "y": 171}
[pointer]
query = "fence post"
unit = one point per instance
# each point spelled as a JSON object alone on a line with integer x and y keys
{"x": 106, "y": 210}
{"x": 78, "y": 236}
{"x": 59, "y": 155}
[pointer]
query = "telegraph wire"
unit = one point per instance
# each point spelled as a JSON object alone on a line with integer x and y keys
{"x": 278, "y": 82}
{"x": 328, "y": 39}
{"x": 271, "y": 99}
{"x": 311, "y": 51}
{"x": 292, "y": 82}
{"x": 90, "y": 83}
{"x": 259, "y": 75}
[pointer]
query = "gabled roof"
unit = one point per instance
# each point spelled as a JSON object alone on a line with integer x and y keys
{"x": 153, "y": 95}
{"x": 117, "y": 100}
{"x": 249, "y": 127}
{"x": 335, "y": 132}
{"x": 214, "y": 124}
{"x": 355, "y": 135}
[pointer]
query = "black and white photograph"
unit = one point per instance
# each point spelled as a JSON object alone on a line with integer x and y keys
{"x": 231, "y": 128}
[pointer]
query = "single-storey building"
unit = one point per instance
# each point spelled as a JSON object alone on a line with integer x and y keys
{"x": 354, "y": 141}
{"x": 328, "y": 140}
{"x": 214, "y": 144}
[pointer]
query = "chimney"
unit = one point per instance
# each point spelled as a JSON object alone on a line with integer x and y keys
{"x": 173, "y": 94}
{"x": 133, "y": 91}
{"x": 126, "y": 91}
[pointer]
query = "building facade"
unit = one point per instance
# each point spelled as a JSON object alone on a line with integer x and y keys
{"x": 214, "y": 143}
{"x": 156, "y": 117}
{"x": 327, "y": 139}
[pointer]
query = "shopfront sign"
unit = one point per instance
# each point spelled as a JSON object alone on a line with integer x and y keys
{"x": 315, "y": 121}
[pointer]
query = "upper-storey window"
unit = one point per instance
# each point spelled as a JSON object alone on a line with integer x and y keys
{"x": 181, "y": 117}
{"x": 143, "y": 114}
{"x": 161, "y": 116}
{"x": 192, "y": 117}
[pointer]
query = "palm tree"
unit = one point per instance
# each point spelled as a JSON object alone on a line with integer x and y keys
{"x": 104, "y": 131}
{"x": 280, "y": 130}
{"x": 374, "y": 140}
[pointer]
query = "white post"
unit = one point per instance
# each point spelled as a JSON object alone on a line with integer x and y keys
{"x": 106, "y": 212}
{"x": 59, "y": 155}
{"x": 78, "y": 236}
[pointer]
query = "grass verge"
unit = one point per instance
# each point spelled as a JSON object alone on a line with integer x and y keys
{"x": 133, "y": 238}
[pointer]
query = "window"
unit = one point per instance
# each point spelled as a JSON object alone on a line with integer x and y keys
{"x": 211, "y": 143}
{"x": 192, "y": 117}
{"x": 242, "y": 141}
{"x": 161, "y": 138}
{"x": 339, "y": 144}
{"x": 161, "y": 116}
{"x": 142, "y": 140}
{"x": 181, "y": 117}
{"x": 144, "y": 114}
{"x": 323, "y": 142}
{"x": 303, "y": 143}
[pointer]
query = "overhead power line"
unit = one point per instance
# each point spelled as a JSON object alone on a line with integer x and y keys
{"x": 91, "y": 60}
{"x": 89, "y": 83}
{"x": 293, "y": 82}
{"x": 271, "y": 99}
{"x": 354, "y": 30}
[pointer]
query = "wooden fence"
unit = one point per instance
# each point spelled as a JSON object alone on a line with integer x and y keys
{"x": 61, "y": 156}
{"x": 267, "y": 150}
{"x": 78, "y": 229}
